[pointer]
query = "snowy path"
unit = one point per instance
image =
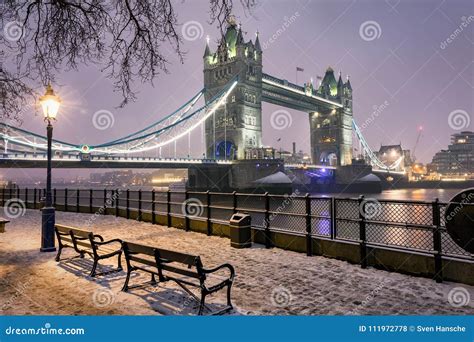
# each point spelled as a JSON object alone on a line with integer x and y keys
{"x": 270, "y": 281}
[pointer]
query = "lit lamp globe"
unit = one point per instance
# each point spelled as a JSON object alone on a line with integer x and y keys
{"x": 50, "y": 103}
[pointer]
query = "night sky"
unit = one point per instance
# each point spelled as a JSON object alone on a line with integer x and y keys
{"x": 405, "y": 64}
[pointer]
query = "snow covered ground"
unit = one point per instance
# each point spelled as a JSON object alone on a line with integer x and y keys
{"x": 268, "y": 281}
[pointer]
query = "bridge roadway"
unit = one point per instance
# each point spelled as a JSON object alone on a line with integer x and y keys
{"x": 97, "y": 162}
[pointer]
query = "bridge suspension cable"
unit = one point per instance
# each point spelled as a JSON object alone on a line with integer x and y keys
{"x": 373, "y": 157}
{"x": 161, "y": 133}
{"x": 168, "y": 119}
{"x": 24, "y": 138}
{"x": 166, "y": 135}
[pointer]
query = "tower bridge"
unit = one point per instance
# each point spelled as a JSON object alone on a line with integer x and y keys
{"x": 230, "y": 118}
{"x": 238, "y": 125}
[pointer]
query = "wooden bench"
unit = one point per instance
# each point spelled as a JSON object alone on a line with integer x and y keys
{"x": 184, "y": 269}
{"x": 86, "y": 242}
{"x": 3, "y": 222}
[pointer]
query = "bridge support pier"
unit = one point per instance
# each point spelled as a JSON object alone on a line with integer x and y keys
{"x": 240, "y": 175}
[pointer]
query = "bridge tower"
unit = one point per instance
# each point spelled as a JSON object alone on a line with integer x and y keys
{"x": 237, "y": 125}
{"x": 331, "y": 129}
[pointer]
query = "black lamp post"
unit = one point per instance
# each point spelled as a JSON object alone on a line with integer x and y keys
{"x": 50, "y": 103}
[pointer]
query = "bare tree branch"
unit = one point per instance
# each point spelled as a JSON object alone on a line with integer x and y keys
{"x": 130, "y": 40}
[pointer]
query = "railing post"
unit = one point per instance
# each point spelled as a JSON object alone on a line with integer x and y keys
{"x": 117, "y": 198}
{"x": 91, "y": 194}
{"x": 168, "y": 208}
{"x": 26, "y": 197}
{"x": 208, "y": 218}
{"x": 34, "y": 198}
{"x": 332, "y": 213}
{"x": 128, "y": 203}
{"x": 139, "y": 205}
{"x": 362, "y": 232}
{"x": 309, "y": 239}
{"x": 78, "y": 195}
{"x": 11, "y": 193}
{"x": 438, "y": 261}
{"x": 18, "y": 193}
{"x": 105, "y": 201}
{"x": 186, "y": 218}
{"x": 65, "y": 199}
{"x": 54, "y": 197}
{"x": 3, "y": 197}
{"x": 153, "y": 206}
{"x": 268, "y": 241}
{"x": 234, "y": 201}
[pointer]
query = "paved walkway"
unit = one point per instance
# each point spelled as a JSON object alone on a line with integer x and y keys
{"x": 269, "y": 281}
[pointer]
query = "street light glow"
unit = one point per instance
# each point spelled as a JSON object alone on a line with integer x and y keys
{"x": 50, "y": 103}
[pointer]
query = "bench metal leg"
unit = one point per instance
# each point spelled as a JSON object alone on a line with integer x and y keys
{"x": 153, "y": 280}
{"x": 92, "y": 274}
{"x": 202, "y": 305}
{"x": 229, "y": 303}
{"x": 119, "y": 263}
{"x": 127, "y": 279}
{"x": 58, "y": 256}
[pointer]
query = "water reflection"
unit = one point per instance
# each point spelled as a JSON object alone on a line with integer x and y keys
{"x": 429, "y": 195}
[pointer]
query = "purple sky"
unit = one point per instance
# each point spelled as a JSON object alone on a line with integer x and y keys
{"x": 410, "y": 67}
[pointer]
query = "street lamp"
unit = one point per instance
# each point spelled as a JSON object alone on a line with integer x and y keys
{"x": 50, "y": 104}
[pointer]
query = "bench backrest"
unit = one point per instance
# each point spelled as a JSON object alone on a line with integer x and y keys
{"x": 132, "y": 252}
{"x": 163, "y": 259}
{"x": 138, "y": 248}
{"x": 77, "y": 237}
{"x": 171, "y": 256}
{"x": 76, "y": 231}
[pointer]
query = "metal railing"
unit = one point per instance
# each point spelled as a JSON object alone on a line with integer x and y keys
{"x": 407, "y": 226}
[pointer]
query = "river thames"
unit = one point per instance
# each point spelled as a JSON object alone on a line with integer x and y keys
{"x": 444, "y": 195}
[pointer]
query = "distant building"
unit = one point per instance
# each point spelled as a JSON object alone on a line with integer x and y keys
{"x": 166, "y": 177}
{"x": 293, "y": 157}
{"x": 260, "y": 153}
{"x": 458, "y": 159}
{"x": 390, "y": 154}
{"x": 113, "y": 178}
